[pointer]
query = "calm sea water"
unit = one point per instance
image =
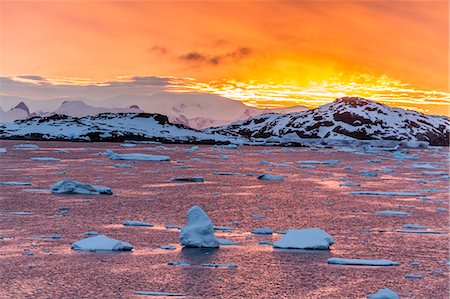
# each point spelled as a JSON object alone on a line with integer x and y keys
{"x": 307, "y": 197}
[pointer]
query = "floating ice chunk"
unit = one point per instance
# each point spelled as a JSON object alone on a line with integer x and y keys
{"x": 227, "y": 173}
{"x": 26, "y": 145}
{"x": 358, "y": 262}
{"x": 191, "y": 179}
{"x": 16, "y": 183}
{"x": 168, "y": 247}
{"x": 414, "y": 276}
{"x": 159, "y": 294}
{"x": 369, "y": 174}
{"x": 383, "y": 193}
{"x": 441, "y": 209}
{"x": 3, "y": 150}
{"x": 375, "y": 149}
{"x": 180, "y": 263}
{"x": 16, "y": 213}
{"x": 227, "y": 146}
{"x": 174, "y": 226}
{"x": 74, "y": 187}
{"x": 123, "y": 166}
{"x": 384, "y": 294}
{"x": 219, "y": 265}
{"x": 386, "y": 170}
{"x": 270, "y": 177}
{"x": 306, "y": 166}
{"x": 92, "y": 233}
{"x": 392, "y": 213}
{"x": 107, "y": 153}
{"x": 349, "y": 185}
{"x": 56, "y": 237}
{"x": 426, "y": 172}
{"x": 136, "y": 223}
{"x": 401, "y": 156}
{"x": 128, "y": 145}
{"x": 139, "y": 157}
{"x": 419, "y": 231}
{"x": 223, "y": 228}
{"x": 61, "y": 151}
{"x": 325, "y": 162}
{"x": 310, "y": 238}
{"x": 348, "y": 167}
{"x": 45, "y": 159}
{"x": 226, "y": 242}
{"x": 423, "y": 166}
{"x": 414, "y": 226}
{"x": 199, "y": 231}
{"x": 192, "y": 149}
{"x": 262, "y": 231}
{"x": 101, "y": 243}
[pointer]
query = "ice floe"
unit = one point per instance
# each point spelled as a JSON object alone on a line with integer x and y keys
{"x": 219, "y": 265}
{"x": 101, "y": 243}
{"x": 426, "y": 172}
{"x": 123, "y": 166}
{"x": 226, "y": 242}
{"x": 421, "y": 231}
{"x": 199, "y": 231}
{"x": 16, "y": 213}
{"x": 162, "y": 294}
{"x": 168, "y": 247}
{"x": 358, "y": 262}
{"x": 139, "y": 157}
{"x": 3, "y": 150}
{"x": 26, "y": 145}
{"x": 180, "y": 263}
{"x": 16, "y": 183}
{"x": 192, "y": 149}
{"x": 384, "y": 294}
{"x": 188, "y": 179}
{"x": 325, "y": 162}
{"x": 49, "y": 159}
{"x": 414, "y": 276}
{"x": 262, "y": 231}
{"x": 385, "y": 193}
{"x": 414, "y": 226}
{"x": 310, "y": 238}
{"x": 393, "y": 213}
{"x": 270, "y": 177}
{"x": 74, "y": 187}
{"x": 136, "y": 223}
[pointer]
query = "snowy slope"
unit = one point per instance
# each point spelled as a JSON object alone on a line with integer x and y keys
{"x": 20, "y": 111}
{"x": 195, "y": 110}
{"x": 106, "y": 127}
{"x": 345, "y": 118}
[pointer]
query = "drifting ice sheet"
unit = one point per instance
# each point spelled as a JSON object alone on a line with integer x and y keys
{"x": 310, "y": 238}
{"x": 101, "y": 243}
{"x": 74, "y": 187}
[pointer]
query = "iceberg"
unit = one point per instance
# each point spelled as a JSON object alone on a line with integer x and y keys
{"x": 199, "y": 231}
{"x": 309, "y": 238}
{"x": 74, "y": 187}
{"x": 384, "y": 294}
{"x": 101, "y": 243}
{"x": 138, "y": 157}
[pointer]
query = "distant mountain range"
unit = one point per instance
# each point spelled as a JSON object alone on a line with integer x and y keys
{"x": 347, "y": 118}
{"x": 195, "y": 110}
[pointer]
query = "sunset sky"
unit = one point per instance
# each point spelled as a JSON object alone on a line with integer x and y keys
{"x": 264, "y": 53}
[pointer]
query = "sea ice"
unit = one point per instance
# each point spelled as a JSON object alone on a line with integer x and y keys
{"x": 310, "y": 238}
{"x": 358, "y": 262}
{"x": 101, "y": 243}
{"x": 270, "y": 177}
{"x": 139, "y": 157}
{"x": 384, "y": 294}
{"x": 136, "y": 223}
{"x": 199, "y": 231}
{"x": 74, "y": 187}
{"x": 262, "y": 231}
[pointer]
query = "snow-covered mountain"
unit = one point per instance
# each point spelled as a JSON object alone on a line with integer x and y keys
{"x": 106, "y": 127}
{"x": 20, "y": 111}
{"x": 195, "y": 110}
{"x": 345, "y": 118}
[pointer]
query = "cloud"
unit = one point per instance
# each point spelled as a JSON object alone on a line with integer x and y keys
{"x": 238, "y": 54}
{"x": 32, "y": 77}
{"x": 159, "y": 49}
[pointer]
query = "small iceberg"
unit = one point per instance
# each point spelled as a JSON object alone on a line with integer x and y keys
{"x": 15, "y": 183}
{"x": 27, "y": 145}
{"x": 383, "y": 193}
{"x": 270, "y": 177}
{"x": 393, "y": 213}
{"x": 199, "y": 231}
{"x": 369, "y": 174}
{"x": 310, "y": 238}
{"x": 162, "y": 294}
{"x": 262, "y": 231}
{"x": 138, "y": 157}
{"x": 45, "y": 159}
{"x": 91, "y": 233}
{"x": 186, "y": 179}
{"x": 74, "y": 187}
{"x": 136, "y": 223}
{"x": 101, "y": 243}
{"x": 358, "y": 262}
{"x": 349, "y": 185}
{"x": 384, "y": 294}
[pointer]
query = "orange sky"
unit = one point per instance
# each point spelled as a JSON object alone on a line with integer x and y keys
{"x": 289, "y": 46}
